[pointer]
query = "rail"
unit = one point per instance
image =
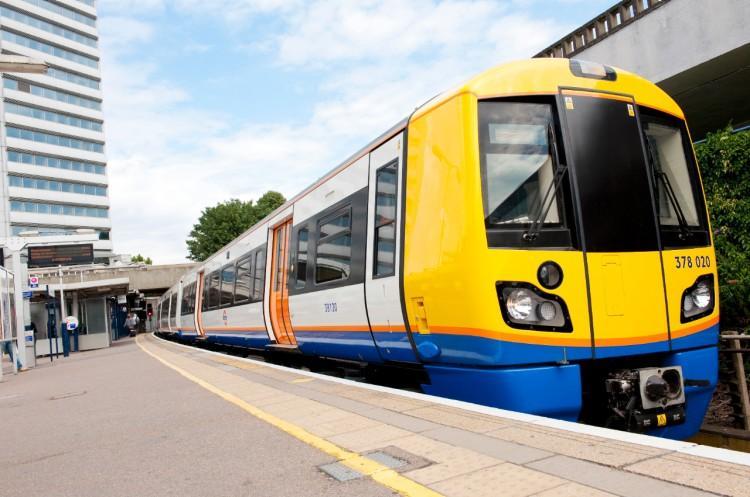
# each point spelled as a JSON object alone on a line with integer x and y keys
{"x": 602, "y": 26}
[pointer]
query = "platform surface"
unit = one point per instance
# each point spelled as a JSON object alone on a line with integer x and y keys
{"x": 157, "y": 418}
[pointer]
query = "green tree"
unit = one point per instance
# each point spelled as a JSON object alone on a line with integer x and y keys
{"x": 140, "y": 258}
{"x": 724, "y": 158}
{"x": 222, "y": 223}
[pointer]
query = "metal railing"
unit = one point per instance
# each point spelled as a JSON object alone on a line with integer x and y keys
{"x": 605, "y": 24}
{"x": 735, "y": 376}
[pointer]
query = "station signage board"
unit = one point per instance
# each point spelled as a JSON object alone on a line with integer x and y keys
{"x": 33, "y": 282}
{"x": 61, "y": 255}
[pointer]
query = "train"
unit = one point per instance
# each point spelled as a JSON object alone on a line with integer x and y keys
{"x": 535, "y": 239}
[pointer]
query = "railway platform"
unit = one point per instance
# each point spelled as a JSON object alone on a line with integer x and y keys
{"x": 149, "y": 417}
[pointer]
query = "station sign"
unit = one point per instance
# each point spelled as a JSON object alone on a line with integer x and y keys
{"x": 61, "y": 255}
{"x": 27, "y": 294}
{"x": 33, "y": 281}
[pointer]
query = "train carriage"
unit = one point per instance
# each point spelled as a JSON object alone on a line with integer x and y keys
{"x": 536, "y": 239}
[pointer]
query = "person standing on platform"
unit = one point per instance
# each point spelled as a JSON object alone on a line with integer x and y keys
{"x": 131, "y": 323}
{"x": 9, "y": 348}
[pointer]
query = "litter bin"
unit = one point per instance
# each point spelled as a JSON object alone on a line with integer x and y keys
{"x": 30, "y": 341}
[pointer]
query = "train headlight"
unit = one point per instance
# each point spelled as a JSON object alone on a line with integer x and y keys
{"x": 519, "y": 304}
{"x": 701, "y": 295}
{"x": 698, "y": 300}
{"x": 546, "y": 311}
{"x": 525, "y": 306}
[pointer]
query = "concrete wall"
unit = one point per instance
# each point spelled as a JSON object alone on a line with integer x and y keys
{"x": 675, "y": 37}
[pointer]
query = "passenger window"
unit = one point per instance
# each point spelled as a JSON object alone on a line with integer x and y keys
{"x": 301, "y": 269}
{"x": 185, "y": 309}
{"x": 173, "y": 306}
{"x": 260, "y": 273}
{"x": 206, "y": 291}
{"x": 243, "y": 286}
{"x": 281, "y": 236}
{"x": 214, "y": 290}
{"x": 334, "y": 249}
{"x": 227, "y": 286}
{"x": 385, "y": 220}
{"x": 193, "y": 286}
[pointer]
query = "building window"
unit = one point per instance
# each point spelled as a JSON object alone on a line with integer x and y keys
{"x": 57, "y": 209}
{"x": 60, "y": 96}
{"x": 55, "y": 162}
{"x": 55, "y": 29}
{"x": 57, "y": 140}
{"x": 334, "y": 251}
{"x": 64, "y": 11}
{"x": 74, "y": 78}
{"x": 301, "y": 268}
{"x": 49, "y": 49}
{"x": 385, "y": 219}
{"x": 47, "y": 115}
{"x": 15, "y": 229}
{"x": 58, "y": 186}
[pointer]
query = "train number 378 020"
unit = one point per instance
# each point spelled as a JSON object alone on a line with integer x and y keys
{"x": 687, "y": 261}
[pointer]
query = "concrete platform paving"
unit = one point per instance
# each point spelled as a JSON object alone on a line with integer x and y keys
{"x": 115, "y": 422}
{"x": 190, "y": 422}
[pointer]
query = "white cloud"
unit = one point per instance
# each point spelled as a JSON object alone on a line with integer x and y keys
{"x": 378, "y": 59}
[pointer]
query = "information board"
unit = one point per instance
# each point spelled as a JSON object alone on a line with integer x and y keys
{"x": 61, "y": 255}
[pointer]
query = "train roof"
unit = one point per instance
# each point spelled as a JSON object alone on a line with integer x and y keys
{"x": 539, "y": 76}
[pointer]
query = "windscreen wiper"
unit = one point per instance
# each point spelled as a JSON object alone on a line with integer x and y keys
{"x": 549, "y": 197}
{"x": 661, "y": 177}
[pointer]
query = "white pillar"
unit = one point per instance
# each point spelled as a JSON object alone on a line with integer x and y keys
{"x": 74, "y": 304}
{"x": 18, "y": 276}
{"x": 62, "y": 295}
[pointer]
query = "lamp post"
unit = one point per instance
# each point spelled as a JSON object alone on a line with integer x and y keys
{"x": 22, "y": 64}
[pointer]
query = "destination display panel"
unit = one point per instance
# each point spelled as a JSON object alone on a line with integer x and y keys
{"x": 61, "y": 255}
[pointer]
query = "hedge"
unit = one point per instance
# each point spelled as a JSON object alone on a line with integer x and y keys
{"x": 724, "y": 159}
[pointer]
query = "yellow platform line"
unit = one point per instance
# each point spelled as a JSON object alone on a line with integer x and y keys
{"x": 368, "y": 467}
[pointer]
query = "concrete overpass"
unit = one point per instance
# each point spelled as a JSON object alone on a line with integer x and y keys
{"x": 149, "y": 280}
{"x": 698, "y": 51}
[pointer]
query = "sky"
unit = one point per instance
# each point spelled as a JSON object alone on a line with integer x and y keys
{"x": 208, "y": 100}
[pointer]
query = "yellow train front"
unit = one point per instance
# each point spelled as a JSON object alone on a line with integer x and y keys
{"x": 557, "y": 253}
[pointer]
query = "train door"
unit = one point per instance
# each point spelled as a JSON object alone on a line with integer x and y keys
{"x": 617, "y": 221}
{"x": 198, "y": 315}
{"x": 279, "y": 291}
{"x": 382, "y": 287}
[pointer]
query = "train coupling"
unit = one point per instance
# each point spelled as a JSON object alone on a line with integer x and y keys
{"x": 646, "y": 398}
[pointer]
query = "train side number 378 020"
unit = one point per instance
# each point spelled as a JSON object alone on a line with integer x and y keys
{"x": 687, "y": 261}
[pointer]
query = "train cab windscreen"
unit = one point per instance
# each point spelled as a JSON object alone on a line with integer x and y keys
{"x": 679, "y": 200}
{"x": 523, "y": 184}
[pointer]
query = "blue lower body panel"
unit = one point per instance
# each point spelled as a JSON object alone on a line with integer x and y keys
{"x": 187, "y": 336}
{"x": 700, "y": 364}
{"x": 354, "y": 346}
{"x": 553, "y": 391}
{"x": 249, "y": 339}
